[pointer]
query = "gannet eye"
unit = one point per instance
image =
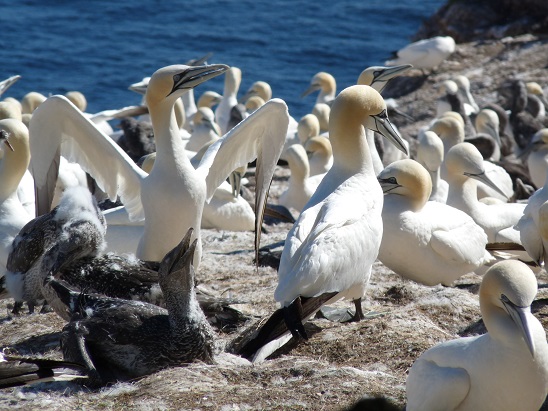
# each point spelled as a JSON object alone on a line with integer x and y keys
{"x": 392, "y": 180}
{"x": 382, "y": 114}
{"x": 177, "y": 77}
{"x": 377, "y": 73}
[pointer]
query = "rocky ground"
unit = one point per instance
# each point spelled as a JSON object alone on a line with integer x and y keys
{"x": 341, "y": 362}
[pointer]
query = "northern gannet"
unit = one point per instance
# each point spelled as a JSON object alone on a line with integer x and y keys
{"x": 505, "y": 369}
{"x": 209, "y": 99}
{"x": 126, "y": 339}
{"x": 260, "y": 89}
{"x": 425, "y": 241}
{"x": 430, "y": 156}
{"x": 470, "y": 105}
{"x": 15, "y": 158}
{"x": 425, "y": 54}
{"x": 329, "y": 252}
{"x": 7, "y": 83}
{"x": 326, "y": 85}
{"x": 204, "y": 130}
{"x": 233, "y": 78}
{"x": 308, "y": 127}
{"x": 320, "y": 155}
{"x": 172, "y": 196}
{"x": 322, "y": 111}
{"x": 253, "y": 103}
{"x": 487, "y": 126}
{"x": 465, "y": 166}
{"x": 537, "y": 160}
{"x": 31, "y": 101}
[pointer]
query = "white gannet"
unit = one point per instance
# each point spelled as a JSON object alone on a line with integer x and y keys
{"x": 15, "y": 158}
{"x": 233, "y": 78}
{"x": 300, "y": 188}
{"x": 536, "y": 101}
{"x": 260, "y": 89}
{"x": 308, "y": 127}
{"x": 465, "y": 166}
{"x": 505, "y": 369}
{"x": 425, "y": 54}
{"x": 209, "y": 99}
{"x": 430, "y": 156}
{"x": 253, "y": 103}
{"x": 171, "y": 198}
{"x": 10, "y": 109}
{"x": 329, "y": 252}
{"x": 449, "y": 100}
{"x": 31, "y": 101}
{"x": 326, "y": 85}
{"x": 321, "y": 111}
{"x": 204, "y": 130}
{"x": 320, "y": 155}
{"x": 470, "y": 105}
{"x": 537, "y": 161}
{"x": 425, "y": 241}
{"x": 487, "y": 125}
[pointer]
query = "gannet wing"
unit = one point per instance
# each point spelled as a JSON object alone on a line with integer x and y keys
{"x": 260, "y": 136}
{"x": 57, "y": 123}
{"x": 463, "y": 244}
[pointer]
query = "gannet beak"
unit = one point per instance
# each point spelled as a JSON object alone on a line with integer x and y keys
{"x": 385, "y": 74}
{"x": 193, "y": 76}
{"x": 312, "y": 88}
{"x": 141, "y": 86}
{"x": 4, "y": 137}
{"x": 200, "y": 61}
{"x": 519, "y": 316}
{"x": 7, "y": 83}
{"x": 487, "y": 181}
{"x": 382, "y": 124}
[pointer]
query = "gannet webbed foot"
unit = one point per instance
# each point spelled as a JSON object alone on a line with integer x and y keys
{"x": 293, "y": 319}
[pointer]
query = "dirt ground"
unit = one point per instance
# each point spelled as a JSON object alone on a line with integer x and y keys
{"x": 340, "y": 363}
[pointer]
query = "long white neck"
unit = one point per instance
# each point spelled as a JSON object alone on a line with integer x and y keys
{"x": 12, "y": 168}
{"x": 375, "y": 158}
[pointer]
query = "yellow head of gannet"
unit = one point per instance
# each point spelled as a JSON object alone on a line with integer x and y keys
{"x": 463, "y": 84}
{"x": 309, "y": 126}
{"x": 504, "y": 369}
{"x": 425, "y": 241}
{"x": 379, "y": 76}
{"x": 253, "y": 103}
{"x": 9, "y": 109}
{"x": 260, "y": 89}
{"x": 430, "y": 156}
{"x": 209, "y": 99}
{"x": 324, "y": 83}
{"x": 78, "y": 99}
{"x": 30, "y": 101}
{"x": 537, "y": 159}
{"x": 487, "y": 125}
{"x": 320, "y": 154}
{"x": 450, "y": 130}
{"x": 233, "y": 78}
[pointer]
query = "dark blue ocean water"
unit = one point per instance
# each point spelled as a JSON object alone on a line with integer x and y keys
{"x": 100, "y": 47}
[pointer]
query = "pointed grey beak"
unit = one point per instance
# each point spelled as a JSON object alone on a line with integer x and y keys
{"x": 385, "y": 74}
{"x": 312, "y": 88}
{"x": 141, "y": 86}
{"x": 193, "y": 76}
{"x": 385, "y": 127}
{"x": 4, "y": 137}
{"x": 200, "y": 61}
{"x": 487, "y": 181}
{"x": 519, "y": 316}
{"x": 388, "y": 184}
{"x": 7, "y": 83}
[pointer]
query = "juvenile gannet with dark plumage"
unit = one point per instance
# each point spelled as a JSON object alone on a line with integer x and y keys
{"x": 505, "y": 369}
{"x": 326, "y": 84}
{"x": 425, "y": 54}
{"x": 465, "y": 166}
{"x": 119, "y": 340}
{"x": 425, "y": 241}
{"x": 329, "y": 252}
{"x": 430, "y": 156}
{"x": 73, "y": 230}
{"x": 171, "y": 198}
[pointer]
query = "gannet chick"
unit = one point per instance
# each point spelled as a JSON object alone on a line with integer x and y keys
{"x": 329, "y": 252}
{"x": 300, "y": 188}
{"x": 425, "y": 241}
{"x": 320, "y": 155}
{"x": 326, "y": 85}
{"x": 74, "y": 229}
{"x": 119, "y": 340}
{"x": 137, "y": 139}
{"x": 233, "y": 78}
{"x": 505, "y": 369}
{"x": 465, "y": 166}
{"x": 537, "y": 161}
{"x": 425, "y": 54}
{"x": 430, "y": 156}
{"x": 14, "y": 160}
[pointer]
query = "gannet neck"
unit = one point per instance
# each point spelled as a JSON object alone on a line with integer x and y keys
{"x": 298, "y": 164}
{"x": 449, "y": 130}
{"x": 233, "y": 78}
{"x": 378, "y": 166}
{"x": 13, "y": 163}
{"x": 9, "y": 109}
{"x": 322, "y": 112}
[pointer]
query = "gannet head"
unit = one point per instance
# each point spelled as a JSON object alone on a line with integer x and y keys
{"x": 409, "y": 179}
{"x": 487, "y": 121}
{"x": 7, "y": 83}
{"x": 260, "y": 88}
{"x": 379, "y": 76}
{"x": 173, "y": 81}
{"x": 511, "y": 286}
{"x": 534, "y": 88}
{"x": 15, "y": 136}
{"x": 9, "y": 109}
{"x": 321, "y": 81}
{"x": 209, "y": 99}
{"x": 309, "y": 126}
{"x": 449, "y": 129}
{"x": 430, "y": 151}
{"x": 78, "y": 99}
{"x": 31, "y": 101}
{"x": 319, "y": 144}
{"x": 449, "y": 87}
{"x": 253, "y": 103}
{"x": 464, "y": 159}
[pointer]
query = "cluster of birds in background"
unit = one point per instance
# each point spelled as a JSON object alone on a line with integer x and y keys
{"x": 181, "y": 166}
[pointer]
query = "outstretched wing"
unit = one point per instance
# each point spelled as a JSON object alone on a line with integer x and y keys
{"x": 58, "y": 127}
{"x": 260, "y": 136}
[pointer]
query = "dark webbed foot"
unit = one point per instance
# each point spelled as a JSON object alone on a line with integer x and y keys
{"x": 358, "y": 314}
{"x": 293, "y": 315}
{"x": 17, "y": 307}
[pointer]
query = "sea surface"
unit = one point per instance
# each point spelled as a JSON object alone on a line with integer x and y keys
{"x": 101, "y": 47}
